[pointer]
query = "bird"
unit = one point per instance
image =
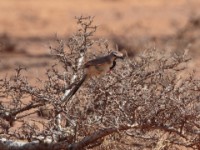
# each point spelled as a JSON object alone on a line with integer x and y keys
{"x": 102, "y": 65}
{"x": 97, "y": 67}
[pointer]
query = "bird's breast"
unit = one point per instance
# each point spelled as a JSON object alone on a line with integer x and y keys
{"x": 98, "y": 70}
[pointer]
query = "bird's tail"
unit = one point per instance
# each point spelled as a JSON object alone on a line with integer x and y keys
{"x": 75, "y": 89}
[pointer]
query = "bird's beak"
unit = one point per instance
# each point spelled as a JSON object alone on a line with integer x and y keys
{"x": 120, "y": 55}
{"x": 123, "y": 53}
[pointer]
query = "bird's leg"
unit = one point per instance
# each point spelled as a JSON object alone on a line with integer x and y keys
{"x": 109, "y": 71}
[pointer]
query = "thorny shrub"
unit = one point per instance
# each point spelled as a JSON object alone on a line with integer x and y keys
{"x": 143, "y": 103}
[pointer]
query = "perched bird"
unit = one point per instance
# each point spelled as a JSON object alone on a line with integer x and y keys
{"x": 102, "y": 65}
{"x": 97, "y": 67}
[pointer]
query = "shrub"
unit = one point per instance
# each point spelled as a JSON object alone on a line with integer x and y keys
{"x": 143, "y": 104}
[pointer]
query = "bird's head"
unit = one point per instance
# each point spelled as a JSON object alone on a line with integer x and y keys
{"x": 117, "y": 54}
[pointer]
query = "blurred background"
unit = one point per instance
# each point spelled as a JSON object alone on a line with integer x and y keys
{"x": 28, "y": 26}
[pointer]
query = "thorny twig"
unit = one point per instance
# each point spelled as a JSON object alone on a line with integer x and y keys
{"x": 147, "y": 92}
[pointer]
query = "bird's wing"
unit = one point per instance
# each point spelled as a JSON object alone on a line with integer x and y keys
{"x": 97, "y": 61}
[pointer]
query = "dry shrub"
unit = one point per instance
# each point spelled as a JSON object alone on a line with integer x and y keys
{"x": 143, "y": 104}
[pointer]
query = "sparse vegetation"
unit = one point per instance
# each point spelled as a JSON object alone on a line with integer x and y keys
{"x": 144, "y": 104}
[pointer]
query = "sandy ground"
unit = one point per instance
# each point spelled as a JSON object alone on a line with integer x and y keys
{"x": 31, "y": 23}
{"x": 44, "y": 18}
